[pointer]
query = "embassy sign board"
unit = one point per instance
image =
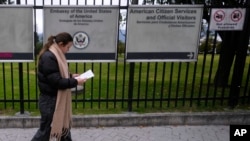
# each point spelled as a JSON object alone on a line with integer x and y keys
{"x": 16, "y": 36}
{"x": 94, "y": 30}
{"x": 163, "y": 33}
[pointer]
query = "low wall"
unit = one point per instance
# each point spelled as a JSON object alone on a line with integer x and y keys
{"x": 133, "y": 119}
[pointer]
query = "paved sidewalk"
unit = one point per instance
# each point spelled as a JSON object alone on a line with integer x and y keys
{"x": 149, "y": 133}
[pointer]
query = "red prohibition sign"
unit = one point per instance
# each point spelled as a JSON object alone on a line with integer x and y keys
{"x": 236, "y": 15}
{"x": 219, "y": 15}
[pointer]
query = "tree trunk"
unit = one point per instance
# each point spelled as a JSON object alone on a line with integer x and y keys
{"x": 228, "y": 48}
{"x": 240, "y": 61}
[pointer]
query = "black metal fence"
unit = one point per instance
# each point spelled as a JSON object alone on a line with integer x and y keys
{"x": 130, "y": 86}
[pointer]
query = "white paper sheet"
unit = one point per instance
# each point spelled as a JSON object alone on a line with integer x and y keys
{"x": 86, "y": 75}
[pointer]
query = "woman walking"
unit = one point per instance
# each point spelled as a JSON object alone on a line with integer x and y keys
{"x": 55, "y": 83}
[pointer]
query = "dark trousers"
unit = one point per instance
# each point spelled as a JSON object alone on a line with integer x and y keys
{"x": 47, "y": 108}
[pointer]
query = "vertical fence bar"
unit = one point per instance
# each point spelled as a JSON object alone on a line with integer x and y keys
{"x": 193, "y": 85}
{"x": 123, "y": 82}
{"x": 28, "y": 84}
{"x": 185, "y": 84}
{"x": 178, "y": 85}
{"x": 107, "y": 90}
{"x": 84, "y": 96}
{"x": 202, "y": 77}
{"x": 154, "y": 88}
{"x": 131, "y": 85}
{"x": 147, "y": 81}
{"x": 115, "y": 89}
{"x": 100, "y": 85}
{"x": 92, "y": 86}
{"x": 139, "y": 85}
{"x": 20, "y": 69}
{"x": 76, "y": 90}
{"x": 162, "y": 83}
{"x": 12, "y": 85}
{"x": 170, "y": 84}
{"x": 4, "y": 86}
{"x": 246, "y": 87}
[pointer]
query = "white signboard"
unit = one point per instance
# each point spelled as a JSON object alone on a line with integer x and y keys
{"x": 16, "y": 36}
{"x": 227, "y": 19}
{"x": 94, "y": 30}
{"x": 163, "y": 33}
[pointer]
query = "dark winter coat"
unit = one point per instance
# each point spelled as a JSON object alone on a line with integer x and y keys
{"x": 49, "y": 78}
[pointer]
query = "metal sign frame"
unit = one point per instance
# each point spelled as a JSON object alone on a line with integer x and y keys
{"x": 96, "y": 25}
{"x": 17, "y": 33}
{"x": 163, "y": 33}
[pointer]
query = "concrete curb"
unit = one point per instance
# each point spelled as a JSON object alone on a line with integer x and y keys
{"x": 133, "y": 119}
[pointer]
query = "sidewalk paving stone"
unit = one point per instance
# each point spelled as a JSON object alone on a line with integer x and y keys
{"x": 137, "y": 133}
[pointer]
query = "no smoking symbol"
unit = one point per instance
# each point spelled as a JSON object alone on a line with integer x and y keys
{"x": 236, "y": 15}
{"x": 219, "y": 16}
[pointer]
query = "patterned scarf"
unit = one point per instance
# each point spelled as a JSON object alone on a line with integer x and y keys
{"x": 62, "y": 118}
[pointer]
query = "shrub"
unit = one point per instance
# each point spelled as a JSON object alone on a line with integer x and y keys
{"x": 209, "y": 46}
{"x": 121, "y": 47}
{"x": 38, "y": 47}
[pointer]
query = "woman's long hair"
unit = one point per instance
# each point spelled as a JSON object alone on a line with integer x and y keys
{"x": 63, "y": 37}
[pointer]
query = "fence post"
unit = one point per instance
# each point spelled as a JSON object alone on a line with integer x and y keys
{"x": 131, "y": 85}
{"x": 20, "y": 67}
